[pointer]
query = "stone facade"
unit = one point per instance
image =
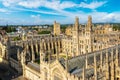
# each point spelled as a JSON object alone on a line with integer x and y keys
{"x": 93, "y": 66}
{"x": 89, "y": 38}
{"x": 86, "y": 53}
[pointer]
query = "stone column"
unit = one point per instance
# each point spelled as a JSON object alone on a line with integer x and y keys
{"x": 59, "y": 47}
{"x": 101, "y": 59}
{"x": 112, "y": 65}
{"x": 57, "y": 56}
{"x": 27, "y": 48}
{"x": 84, "y": 77}
{"x": 23, "y": 63}
{"x": 86, "y": 61}
{"x": 36, "y": 45}
{"x": 33, "y": 55}
{"x": 52, "y": 45}
{"x": 95, "y": 67}
{"x": 116, "y": 62}
{"x": 66, "y": 65}
{"x": 107, "y": 65}
{"x": 49, "y": 56}
{"x": 41, "y": 46}
{"x": 44, "y": 45}
{"x": 56, "y": 47}
{"x": 48, "y": 46}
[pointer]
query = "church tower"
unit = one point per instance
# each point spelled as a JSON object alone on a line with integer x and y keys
{"x": 89, "y": 24}
{"x": 75, "y": 35}
{"x": 56, "y": 30}
{"x": 89, "y": 36}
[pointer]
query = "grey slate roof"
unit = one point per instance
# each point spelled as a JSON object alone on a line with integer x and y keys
{"x": 76, "y": 64}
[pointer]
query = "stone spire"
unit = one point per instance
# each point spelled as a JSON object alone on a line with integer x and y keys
{"x": 18, "y": 54}
{"x": 84, "y": 78}
{"x": 57, "y": 54}
{"x": 89, "y": 23}
{"x": 101, "y": 59}
{"x": 42, "y": 56}
{"x": 76, "y": 23}
{"x": 49, "y": 56}
{"x": 66, "y": 63}
{"x": 32, "y": 51}
{"x": 107, "y": 65}
{"x": 117, "y": 56}
{"x": 112, "y": 65}
{"x": 95, "y": 67}
{"x": 86, "y": 61}
{"x": 54, "y": 22}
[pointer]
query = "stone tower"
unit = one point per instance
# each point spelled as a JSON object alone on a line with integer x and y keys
{"x": 76, "y": 24}
{"x": 89, "y": 36}
{"x": 75, "y": 45}
{"x": 56, "y": 29}
{"x": 89, "y": 24}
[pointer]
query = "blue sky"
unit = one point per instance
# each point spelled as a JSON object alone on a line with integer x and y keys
{"x": 30, "y": 12}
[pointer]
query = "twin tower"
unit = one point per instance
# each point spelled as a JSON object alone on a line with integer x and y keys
{"x": 88, "y": 26}
{"x": 76, "y": 38}
{"x": 57, "y": 31}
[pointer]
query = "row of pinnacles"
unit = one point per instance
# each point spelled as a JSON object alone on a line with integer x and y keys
{"x": 84, "y": 64}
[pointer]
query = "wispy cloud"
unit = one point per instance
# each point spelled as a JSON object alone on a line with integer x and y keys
{"x": 34, "y": 10}
{"x": 8, "y": 3}
{"x": 59, "y": 8}
{"x": 92, "y": 5}
{"x": 36, "y": 18}
{"x": 3, "y": 10}
{"x": 46, "y": 3}
{"x": 31, "y": 3}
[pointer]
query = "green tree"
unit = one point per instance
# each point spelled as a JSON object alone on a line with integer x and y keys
{"x": 44, "y": 32}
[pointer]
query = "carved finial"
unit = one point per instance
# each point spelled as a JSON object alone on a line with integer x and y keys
{"x": 76, "y": 23}
{"x": 54, "y": 21}
{"x": 89, "y": 18}
{"x": 42, "y": 55}
{"x": 18, "y": 54}
{"x": 84, "y": 73}
{"x": 66, "y": 60}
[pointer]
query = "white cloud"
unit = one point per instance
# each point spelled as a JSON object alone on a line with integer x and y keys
{"x": 35, "y": 16}
{"x": 59, "y": 6}
{"x": 97, "y": 17}
{"x": 36, "y": 19}
{"x": 112, "y": 17}
{"x": 66, "y": 4}
{"x": 58, "y": 9}
{"x": 8, "y": 3}
{"x": 45, "y": 3}
{"x": 3, "y": 10}
{"x": 36, "y": 11}
{"x": 92, "y": 5}
{"x": 31, "y": 3}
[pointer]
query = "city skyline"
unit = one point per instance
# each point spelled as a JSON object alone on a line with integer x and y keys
{"x": 34, "y": 12}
